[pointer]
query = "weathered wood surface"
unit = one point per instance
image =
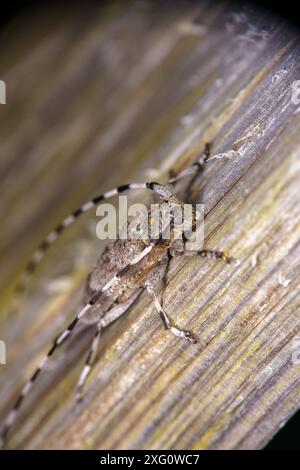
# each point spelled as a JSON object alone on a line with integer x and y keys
{"x": 125, "y": 92}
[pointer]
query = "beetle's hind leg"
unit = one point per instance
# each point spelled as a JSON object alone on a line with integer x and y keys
{"x": 88, "y": 364}
{"x": 112, "y": 315}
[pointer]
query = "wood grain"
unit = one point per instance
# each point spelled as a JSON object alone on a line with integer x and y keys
{"x": 127, "y": 91}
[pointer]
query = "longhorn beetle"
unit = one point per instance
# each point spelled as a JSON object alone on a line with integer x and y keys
{"x": 123, "y": 271}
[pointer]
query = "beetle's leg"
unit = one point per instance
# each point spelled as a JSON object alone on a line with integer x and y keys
{"x": 112, "y": 315}
{"x": 194, "y": 168}
{"x": 88, "y": 364}
{"x": 168, "y": 324}
{"x": 166, "y": 271}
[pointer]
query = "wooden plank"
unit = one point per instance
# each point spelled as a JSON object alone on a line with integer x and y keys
{"x": 129, "y": 93}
